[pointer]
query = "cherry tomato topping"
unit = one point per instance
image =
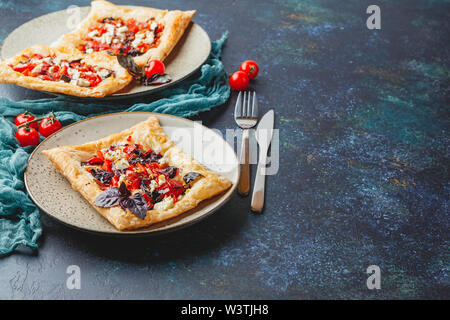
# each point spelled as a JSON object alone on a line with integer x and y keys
{"x": 239, "y": 80}
{"x": 250, "y": 68}
{"x": 49, "y": 125}
{"x": 24, "y": 118}
{"x": 154, "y": 66}
{"x": 27, "y": 136}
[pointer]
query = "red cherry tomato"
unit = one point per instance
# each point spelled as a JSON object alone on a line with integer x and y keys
{"x": 24, "y": 118}
{"x": 239, "y": 80}
{"x": 250, "y": 68}
{"x": 27, "y": 136}
{"x": 49, "y": 125}
{"x": 154, "y": 66}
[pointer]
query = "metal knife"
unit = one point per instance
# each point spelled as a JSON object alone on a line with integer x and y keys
{"x": 263, "y": 134}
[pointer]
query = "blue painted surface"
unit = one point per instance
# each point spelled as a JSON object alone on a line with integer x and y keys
{"x": 363, "y": 119}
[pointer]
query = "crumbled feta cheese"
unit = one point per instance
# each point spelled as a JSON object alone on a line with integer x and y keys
{"x": 37, "y": 69}
{"x": 149, "y": 37}
{"x": 57, "y": 61}
{"x": 153, "y": 185}
{"x": 167, "y": 203}
{"x": 121, "y": 164}
{"x": 89, "y": 50}
{"x": 83, "y": 83}
{"x": 110, "y": 28}
{"x": 103, "y": 73}
{"x": 138, "y": 38}
{"x": 122, "y": 29}
{"x": 153, "y": 26}
{"x": 161, "y": 179}
{"x": 52, "y": 69}
{"x": 106, "y": 38}
{"x": 74, "y": 73}
{"x": 93, "y": 33}
{"x": 114, "y": 155}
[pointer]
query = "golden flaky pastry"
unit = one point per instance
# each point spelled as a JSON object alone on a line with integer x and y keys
{"x": 71, "y": 162}
{"x": 48, "y": 69}
{"x": 115, "y": 33}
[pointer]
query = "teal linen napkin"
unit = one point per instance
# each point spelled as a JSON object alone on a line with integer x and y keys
{"x": 20, "y": 222}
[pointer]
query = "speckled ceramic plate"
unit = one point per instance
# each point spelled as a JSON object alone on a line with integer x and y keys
{"x": 54, "y": 195}
{"x": 187, "y": 57}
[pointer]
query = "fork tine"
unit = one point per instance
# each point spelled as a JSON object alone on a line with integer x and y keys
{"x": 255, "y": 106}
{"x": 238, "y": 107}
{"x": 249, "y": 107}
{"x": 244, "y": 105}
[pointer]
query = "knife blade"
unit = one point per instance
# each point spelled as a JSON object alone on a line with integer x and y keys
{"x": 263, "y": 134}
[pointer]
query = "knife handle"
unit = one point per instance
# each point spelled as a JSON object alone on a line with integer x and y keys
{"x": 257, "y": 204}
{"x": 244, "y": 181}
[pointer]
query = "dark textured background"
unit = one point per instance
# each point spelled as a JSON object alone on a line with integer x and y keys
{"x": 363, "y": 118}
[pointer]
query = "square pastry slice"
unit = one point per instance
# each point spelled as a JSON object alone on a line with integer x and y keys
{"x": 43, "y": 68}
{"x": 144, "y": 33}
{"x": 137, "y": 177}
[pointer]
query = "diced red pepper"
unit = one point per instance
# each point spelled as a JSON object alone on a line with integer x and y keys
{"x": 160, "y": 28}
{"x": 21, "y": 69}
{"x": 95, "y": 161}
{"x": 100, "y": 155}
{"x": 45, "y": 77}
{"x": 36, "y": 56}
{"x": 107, "y": 165}
{"x": 64, "y": 70}
{"x": 129, "y": 149}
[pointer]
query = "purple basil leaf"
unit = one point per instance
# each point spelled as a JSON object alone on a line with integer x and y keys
{"x": 127, "y": 62}
{"x": 137, "y": 205}
{"x": 108, "y": 198}
{"x": 123, "y": 191}
{"x": 156, "y": 79}
{"x": 191, "y": 176}
{"x": 102, "y": 175}
{"x": 170, "y": 171}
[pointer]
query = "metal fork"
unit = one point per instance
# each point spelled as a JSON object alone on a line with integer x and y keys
{"x": 246, "y": 117}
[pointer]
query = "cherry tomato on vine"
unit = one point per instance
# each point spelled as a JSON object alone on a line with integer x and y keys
{"x": 49, "y": 125}
{"x": 239, "y": 80}
{"x": 154, "y": 66}
{"x": 24, "y": 118}
{"x": 27, "y": 136}
{"x": 250, "y": 68}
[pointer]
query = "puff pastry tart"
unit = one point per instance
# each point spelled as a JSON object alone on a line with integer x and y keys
{"x": 48, "y": 69}
{"x": 137, "y": 177}
{"x": 144, "y": 33}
